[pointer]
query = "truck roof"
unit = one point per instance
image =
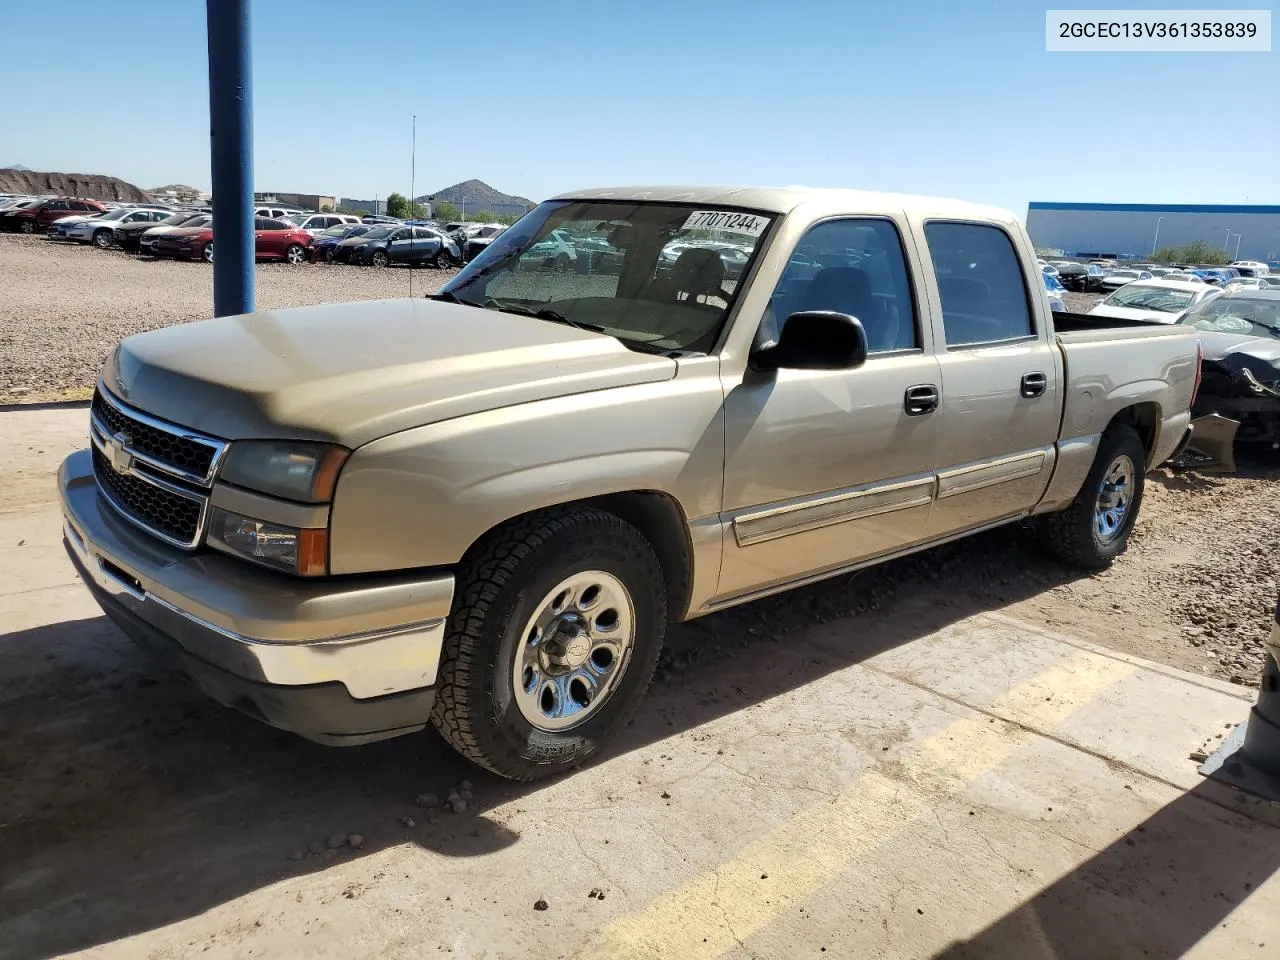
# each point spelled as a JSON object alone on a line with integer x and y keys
{"x": 786, "y": 199}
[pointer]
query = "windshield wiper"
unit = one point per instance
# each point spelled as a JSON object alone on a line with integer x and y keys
{"x": 448, "y": 296}
{"x": 545, "y": 313}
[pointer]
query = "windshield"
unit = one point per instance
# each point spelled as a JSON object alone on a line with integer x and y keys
{"x": 1123, "y": 274}
{"x": 1164, "y": 299}
{"x": 338, "y": 231}
{"x": 379, "y": 233}
{"x": 1254, "y": 317}
{"x": 659, "y": 277}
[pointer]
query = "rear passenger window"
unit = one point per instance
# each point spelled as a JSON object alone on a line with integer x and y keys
{"x": 984, "y": 295}
{"x": 853, "y": 266}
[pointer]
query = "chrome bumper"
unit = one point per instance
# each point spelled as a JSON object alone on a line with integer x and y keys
{"x": 375, "y": 636}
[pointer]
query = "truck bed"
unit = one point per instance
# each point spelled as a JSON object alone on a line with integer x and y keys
{"x": 1067, "y": 322}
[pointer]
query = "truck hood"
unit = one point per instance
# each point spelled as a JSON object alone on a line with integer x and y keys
{"x": 353, "y": 372}
{"x": 1134, "y": 313}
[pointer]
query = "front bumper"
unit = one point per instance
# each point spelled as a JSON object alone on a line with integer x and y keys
{"x": 336, "y": 661}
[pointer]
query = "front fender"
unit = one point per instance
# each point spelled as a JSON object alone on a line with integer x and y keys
{"x": 421, "y": 497}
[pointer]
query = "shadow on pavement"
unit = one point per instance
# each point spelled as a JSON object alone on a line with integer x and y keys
{"x": 1154, "y": 893}
{"x": 134, "y": 802}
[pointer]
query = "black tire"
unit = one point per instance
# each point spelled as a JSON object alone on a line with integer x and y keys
{"x": 444, "y": 260}
{"x": 102, "y": 239}
{"x": 379, "y": 258}
{"x": 1073, "y": 535}
{"x": 330, "y": 255}
{"x": 500, "y": 583}
{"x": 206, "y": 253}
{"x": 561, "y": 263}
{"x": 27, "y": 226}
{"x": 295, "y": 254}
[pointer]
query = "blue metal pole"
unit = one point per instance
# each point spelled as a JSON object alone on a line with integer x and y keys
{"x": 231, "y": 147}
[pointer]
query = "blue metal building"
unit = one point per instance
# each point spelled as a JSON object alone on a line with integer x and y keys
{"x": 1135, "y": 230}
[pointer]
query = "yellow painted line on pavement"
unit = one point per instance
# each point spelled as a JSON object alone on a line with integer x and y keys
{"x": 720, "y": 908}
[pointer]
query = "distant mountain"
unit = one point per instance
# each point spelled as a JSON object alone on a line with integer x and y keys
{"x": 476, "y": 195}
{"x": 179, "y": 188}
{"x": 91, "y": 186}
{"x": 16, "y": 166}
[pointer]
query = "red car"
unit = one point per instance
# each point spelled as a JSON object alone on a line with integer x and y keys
{"x": 273, "y": 240}
{"x": 37, "y": 217}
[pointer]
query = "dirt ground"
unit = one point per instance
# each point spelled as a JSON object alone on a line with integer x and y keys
{"x": 64, "y": 306}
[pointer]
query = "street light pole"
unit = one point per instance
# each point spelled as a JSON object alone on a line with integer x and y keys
{"x": 1237, "y": 246}
{"x": 1156, "y": 238}
{"x": 1226, "y": 244}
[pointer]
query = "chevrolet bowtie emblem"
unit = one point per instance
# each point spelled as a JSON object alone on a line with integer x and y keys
{"x": 117, "y": 451}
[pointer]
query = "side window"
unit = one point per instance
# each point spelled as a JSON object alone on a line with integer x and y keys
{"x": 57, "y": 205}
{"x": 984, "y": 295}
{"x": 853, "y": 266}
{"x": 260, "y": 224}
{"x": 135, "y": 217}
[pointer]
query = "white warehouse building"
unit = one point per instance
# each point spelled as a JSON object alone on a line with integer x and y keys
{"x": 1136, "y": 230}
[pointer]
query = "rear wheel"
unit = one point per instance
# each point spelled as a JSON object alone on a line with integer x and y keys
{"x": 295, "y": 253}
{"x": 1095, "y": 529}
{"x": 560, "y": 264}
{"x": 102, "y": 238}
{"x": 445, "y": 260}
{"x": 556, "y": 626}
{"x": 379, "y": 258}
{"x": 206, "y": 253}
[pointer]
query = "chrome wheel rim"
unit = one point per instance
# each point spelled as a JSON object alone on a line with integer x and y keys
{"x": 296, "y": 254}
{"x": 573, "y": 651}
{"x": 102, "y": 239}
{"x": 379, "y": 259}
{"x": 1115, "y": 498}
{"x": 208, "y": 254}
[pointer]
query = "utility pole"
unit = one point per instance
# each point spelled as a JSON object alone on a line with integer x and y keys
{"x": 231, "y": 149}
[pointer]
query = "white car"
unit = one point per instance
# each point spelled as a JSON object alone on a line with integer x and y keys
{"x": 1247, "y": 283}
{"x": 1154, "y": 301}
{"x": 1259, "y": 268}
{"x": 100, "y": 230}
{"x": 1118, "y": 278}
{"x": 315, "y": 222}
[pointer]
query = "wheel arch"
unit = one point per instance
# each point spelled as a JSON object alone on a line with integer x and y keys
{"x": 1145, "y": 418}
{"x": 659, "y": 518}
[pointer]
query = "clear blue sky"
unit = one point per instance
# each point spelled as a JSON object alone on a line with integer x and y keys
{"x": 952, "y": 98}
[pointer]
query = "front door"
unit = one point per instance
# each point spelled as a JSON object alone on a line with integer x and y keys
{"x": 400, "y": 246}
{"x": 1001, "y": 382}
{"x": 826, "y": 468}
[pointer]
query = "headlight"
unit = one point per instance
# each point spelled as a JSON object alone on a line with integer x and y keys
{"x": 293, "y": 470}
{"x": 304, "y": 552}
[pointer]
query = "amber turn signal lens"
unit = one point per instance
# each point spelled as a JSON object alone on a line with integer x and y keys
{"x": 313, "y": 552}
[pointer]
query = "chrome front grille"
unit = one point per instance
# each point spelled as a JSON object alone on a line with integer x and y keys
{"x": 154, "y": 473}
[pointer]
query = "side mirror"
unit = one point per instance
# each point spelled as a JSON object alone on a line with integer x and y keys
{"x": 815, "y": 340}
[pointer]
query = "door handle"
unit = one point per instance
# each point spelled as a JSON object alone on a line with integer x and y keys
{"x": 920, "y": 399}
{"x": 1034, "y": 385}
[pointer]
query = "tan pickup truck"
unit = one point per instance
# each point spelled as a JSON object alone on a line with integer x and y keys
{"x": 481, "y": 509}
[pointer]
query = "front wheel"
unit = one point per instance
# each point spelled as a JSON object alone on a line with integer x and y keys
{"x": 206, "y": 253}
{"x": 102, "y": 239}
{"x": 1095, "y": 529}
{"x": 295, "y": 253}
{"x": 379, "y": 258}
{"x": 555, "y": 631}
{"x": 27, "y": 226}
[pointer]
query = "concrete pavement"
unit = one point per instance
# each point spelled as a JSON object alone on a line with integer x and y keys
{"x": 928, "y": 781}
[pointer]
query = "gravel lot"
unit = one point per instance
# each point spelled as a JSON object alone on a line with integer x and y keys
{"x": 65, "y": 306}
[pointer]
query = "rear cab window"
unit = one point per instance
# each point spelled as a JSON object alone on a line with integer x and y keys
{"x": 980, "y": 282}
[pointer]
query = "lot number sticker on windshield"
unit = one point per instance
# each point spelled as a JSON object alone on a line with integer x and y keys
{"x": 747, "y": 223}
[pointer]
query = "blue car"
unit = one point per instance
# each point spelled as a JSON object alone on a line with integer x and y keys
{"x": 327, "y": 240}
{"x": 1057, "y": 293}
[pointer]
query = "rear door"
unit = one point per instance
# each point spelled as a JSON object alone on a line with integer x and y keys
{"x": 1001, "y": 378}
